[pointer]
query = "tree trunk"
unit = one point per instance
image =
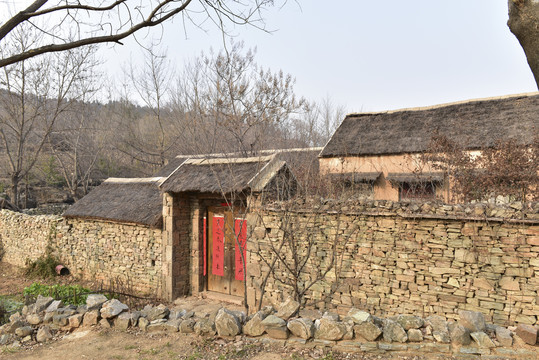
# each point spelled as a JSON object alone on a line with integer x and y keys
{"x": 524, "y": 24}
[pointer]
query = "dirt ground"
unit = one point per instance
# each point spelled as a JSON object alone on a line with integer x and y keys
{"x": 97, "y": 343}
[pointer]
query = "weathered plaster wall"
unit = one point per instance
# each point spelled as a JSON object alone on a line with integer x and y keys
{"x": 391, "y": 259}
{"x": 92, "y": 250}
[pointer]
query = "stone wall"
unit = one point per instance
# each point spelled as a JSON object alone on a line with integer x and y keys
{"x": 92, "y": 250}
{"x": 393, "y": 258}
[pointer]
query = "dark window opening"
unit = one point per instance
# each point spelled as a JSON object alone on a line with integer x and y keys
{"x": 417, "y": 191}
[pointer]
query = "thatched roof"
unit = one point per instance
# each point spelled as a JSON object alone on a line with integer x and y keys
{"x": 135, "y": 200}
{"x": 352, "y": 177}
{"x": 223, "y": 175}
{"x": 473, "y": 124}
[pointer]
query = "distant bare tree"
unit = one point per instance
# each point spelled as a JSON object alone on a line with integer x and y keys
{"x": 34, "y": 94}
{"x": 70, "y": 24}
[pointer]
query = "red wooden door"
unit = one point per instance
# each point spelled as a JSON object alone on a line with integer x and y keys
{"x": 225, "y": 248}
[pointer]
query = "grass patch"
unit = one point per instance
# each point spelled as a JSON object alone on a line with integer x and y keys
{"x": 8, "y": 306}
{"x": 43, "y": 267}
{"x": 69, "y": 294}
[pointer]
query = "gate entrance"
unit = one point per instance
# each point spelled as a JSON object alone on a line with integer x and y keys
{"x": 225, "y": 242}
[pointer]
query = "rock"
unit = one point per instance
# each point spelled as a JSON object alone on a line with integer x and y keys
{"x": 34, "y": 319}
{"x": 275, "y": 327}
{"x": 60, "y": 319}
{"x": 302, "y": 328}
{"x": 104, "y": 323}
{"x": 43, "y": 334}
{"x": 42, "y": 303}
{"x": 75, "y": 320}
{"x": 187, "y": 326}
{"x": 267, "y": 310}
{"x": 91, "y": 318}
{"x": 410, "y": 322}
{"x": 254, "y": 327}
{"x": 205, "y": 327}
{"x": 226, "y": 323}
{"x": 287, "y": 309}
{"x": 143, "y": 323}
{"x": 82, "y": 309}
{"x": 12, "y": 326}
{"x": 24, "y": 331}
{"x": 161, "y": 326}
{"x": 123, "y": 321}
{"x": 483, "y": 340}
{"x": 176, "y": 314}
{"x": 328, "y": 329}
{"x": 472, "y": 320}
{"x": 394, "y": 332}
{"x": 415, "y": 335}
{"x": 460, "y": 335}
{"x": 367, "y": 330}
{"x": 504, "y": 337}
{"x": 54, "y": 306}
{"x": 331, "y": 316}
{"x": 359, "y": 316}
{"x": 95, "y": 301}
{"x": 527, "y": 333}
{"x": 156, "y": 313}
{"x": 5, "y": 339}
{"x": 172, "y": 325}
{"x": 349, "y": 325}
{"x": 112, "y": 308}
{"x": 440, "y": 331}
{"x": 47, "y": 319}
{"x": 16, "y": 317}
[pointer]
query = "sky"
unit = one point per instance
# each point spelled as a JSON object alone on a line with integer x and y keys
{"x": 370, "y": 55}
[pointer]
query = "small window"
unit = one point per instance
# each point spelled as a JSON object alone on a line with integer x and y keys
{"x": 417, "y": 191}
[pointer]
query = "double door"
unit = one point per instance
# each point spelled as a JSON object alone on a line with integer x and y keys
{"x": 225, "y": 251}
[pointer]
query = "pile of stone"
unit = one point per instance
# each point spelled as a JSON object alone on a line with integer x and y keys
{"x": 41, "y": 321}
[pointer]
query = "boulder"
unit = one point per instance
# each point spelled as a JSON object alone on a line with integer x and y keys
{"x": 187, "y": 326}
{"x": 410, "y": 322}
{"x": 42, "y": 303}
{"x": 472, "y": 320}
{"x": 302, "y": 328}
{"x": 60, "y": 319}
{"x": 95, "y": 301}
{"x": 482, "y": 340}
{"x": 227, "y": 323}
{"x": 527, "y": 333}
{"x": 47, "y": 319}
{"x": 440, "y": 331}
{"x": 275, "y": 327}
{"x": 171, "y": 325}
{"x": 13, "y": 325}
{"x": 143, "y": 323}
{"x": 91, "y": 318}
{"x": 504, "y": 337}
{"x": 123, "y": 321}
{"x": 104, "y": 323}
{"x": 155, "y": 313}
{"x": 329, "y": 329}
{"x": 288, "y": 309}
{"x": 176, "y": 314}
{"x": 34, "y": 319}
{"x": 415, "y": 335}
{"x": 368, "y": 330}
{"x": 24, "y": 331}
{"x": 205, "y": 327}
{"x": 359, "y": 316}
{"x": 75, "y": 320}
{"x": 112, "y": 308}
{"x": 393, "y": 331}
{"x": 253, "y": 326}
{"x": 54, "y": 306}
{"x": 460, "y": 335}
{"x": 6, "y": 339}
{"x": 43, "y": 334}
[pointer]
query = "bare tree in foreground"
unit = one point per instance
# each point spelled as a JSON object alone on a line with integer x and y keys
{"x": 69, "y": 24}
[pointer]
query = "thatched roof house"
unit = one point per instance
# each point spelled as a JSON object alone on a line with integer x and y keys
{"x": 382, "y": 150}
{"x": 135, "y": 200}
{"x": 473, "y": 124}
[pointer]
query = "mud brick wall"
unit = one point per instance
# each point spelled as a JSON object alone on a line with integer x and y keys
{"x": 92, "y": 250}
{"x": 413, "y": 260}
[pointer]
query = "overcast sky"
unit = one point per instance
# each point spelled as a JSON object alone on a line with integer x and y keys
{"x": 374, "y": 55}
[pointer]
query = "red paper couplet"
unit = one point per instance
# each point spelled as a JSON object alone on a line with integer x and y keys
{"x": 240, "y": 229}
{"x": 218, "y": 258}
{"x": 204, "y": 244}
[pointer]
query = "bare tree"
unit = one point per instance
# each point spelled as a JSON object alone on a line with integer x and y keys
{"x": 34, "y": 94}
{"x": 524, "y": 24}
{"x": 69, "y": 24}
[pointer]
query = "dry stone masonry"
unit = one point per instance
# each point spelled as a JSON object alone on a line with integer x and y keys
{"x": 357, "y": 332}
